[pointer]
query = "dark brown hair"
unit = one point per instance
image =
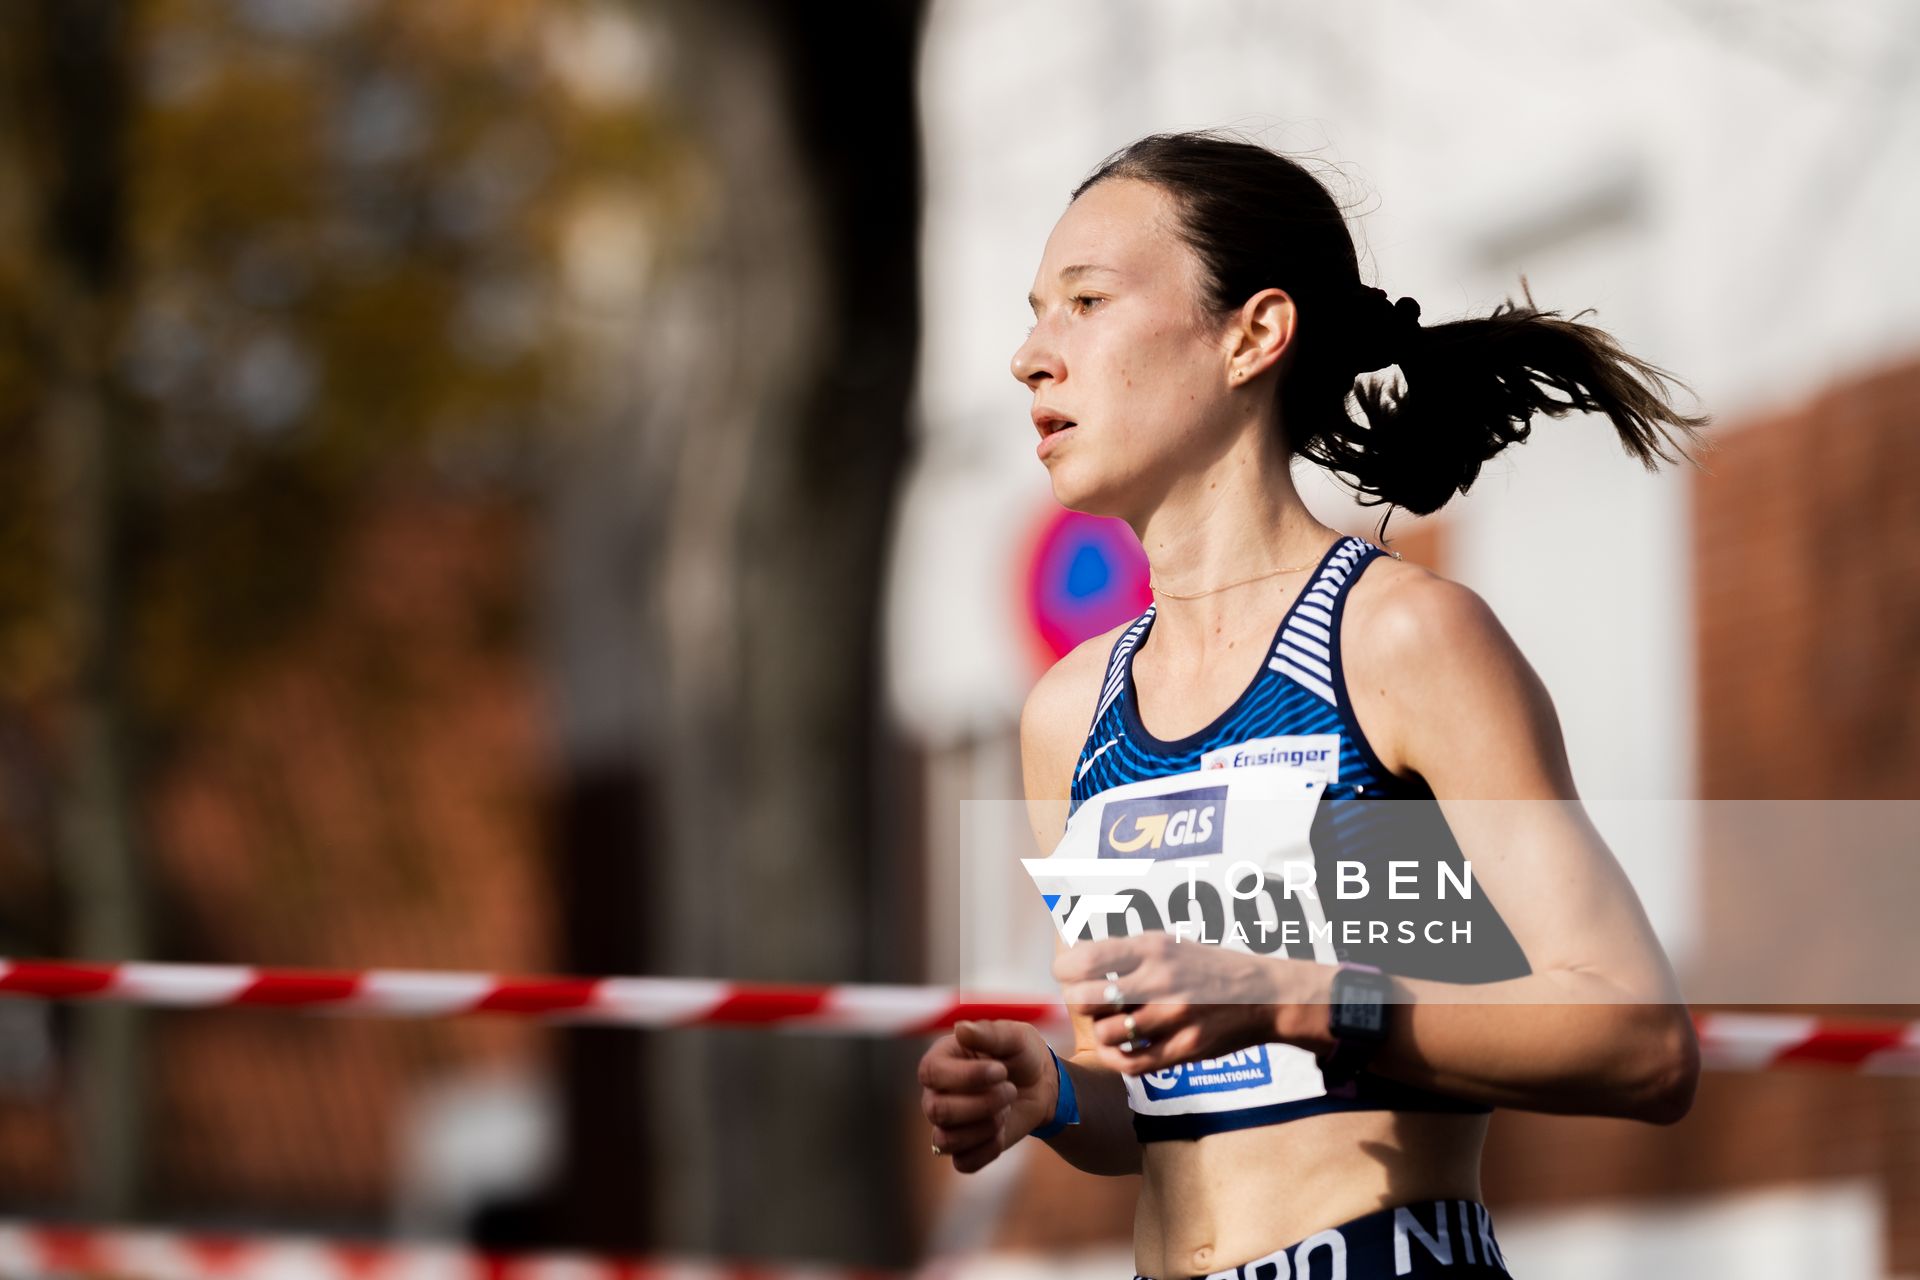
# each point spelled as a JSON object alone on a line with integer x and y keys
{"x": 1469, "y": 388}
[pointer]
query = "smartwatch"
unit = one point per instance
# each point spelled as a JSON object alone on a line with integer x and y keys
{"x": 1357, "y": 1017}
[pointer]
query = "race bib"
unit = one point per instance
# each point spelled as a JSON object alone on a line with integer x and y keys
{"x": 1220, "y": 857}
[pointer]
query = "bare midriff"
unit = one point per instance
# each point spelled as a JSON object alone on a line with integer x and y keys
{"x": 1212, "y": 1203}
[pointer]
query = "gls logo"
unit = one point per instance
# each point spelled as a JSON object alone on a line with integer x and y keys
{"x": 1178, "y": 824}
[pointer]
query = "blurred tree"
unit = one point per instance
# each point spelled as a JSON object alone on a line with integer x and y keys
{"x": 647, "y": 268}
{"x": 75, "y": 57}
{"x": 285, "y": 254}
{"x": 718, "y": 507}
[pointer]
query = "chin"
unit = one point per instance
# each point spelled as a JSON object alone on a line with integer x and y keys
{"x": 1076, "y": 493}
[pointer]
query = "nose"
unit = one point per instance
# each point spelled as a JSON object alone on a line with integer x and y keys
{"x": 1035, "y": 359}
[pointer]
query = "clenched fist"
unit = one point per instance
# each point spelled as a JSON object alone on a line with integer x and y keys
{"x": 984, "y": 1088}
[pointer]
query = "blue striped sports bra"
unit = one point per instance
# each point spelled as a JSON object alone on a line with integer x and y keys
{"x": 1296, "y": 711}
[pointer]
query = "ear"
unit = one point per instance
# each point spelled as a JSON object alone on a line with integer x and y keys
{"x": 1259, "y": 335}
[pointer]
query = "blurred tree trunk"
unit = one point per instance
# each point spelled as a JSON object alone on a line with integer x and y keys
{"x": 74, "y": 88}
{"x": 719, "y": 505}
{"x": 811, "y": 895}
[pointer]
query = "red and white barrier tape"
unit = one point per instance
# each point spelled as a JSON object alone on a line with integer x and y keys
{"x": 1766, "y": 1041}
{"x": 1728, "y": 1041}
{"x": 632, "y": 1002}
{"x": 37, "y": 1251}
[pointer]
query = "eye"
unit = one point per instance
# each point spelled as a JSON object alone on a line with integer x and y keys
{"x": 1082, "y": 304}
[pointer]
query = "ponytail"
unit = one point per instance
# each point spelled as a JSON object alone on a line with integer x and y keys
{"x": 1468, "y": 388}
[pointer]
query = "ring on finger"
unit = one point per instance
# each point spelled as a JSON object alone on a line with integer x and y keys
{"x": 1132, "y": 1030}
{"x": 1131, "y": 1045}
{"x": 1112, "y": 994}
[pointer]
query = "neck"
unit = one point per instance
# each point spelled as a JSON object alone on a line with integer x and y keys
{"x": 1237, "y": 518}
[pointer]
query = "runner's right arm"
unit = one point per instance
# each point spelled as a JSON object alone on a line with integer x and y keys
{"x": 1051, "y": 734}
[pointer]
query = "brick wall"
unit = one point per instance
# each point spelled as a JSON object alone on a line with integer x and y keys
{"x": 1807, "y": 568}
{"x": 369, "y": 796}
{"x": 1806, "y": 550}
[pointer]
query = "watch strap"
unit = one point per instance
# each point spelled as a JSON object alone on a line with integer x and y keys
{"x": 1066, "y": 1105}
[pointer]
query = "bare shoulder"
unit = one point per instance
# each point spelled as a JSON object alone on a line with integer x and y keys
{"x": 1398, "y": 612}
{"x": 1438, "y": 684}
{"x": 1053, "y": 725}
{"x": 1058, "y": 710}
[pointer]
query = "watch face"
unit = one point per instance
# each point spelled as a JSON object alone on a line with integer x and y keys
{"x": 1362, "y": 1009}
{"x": 1360, "y": 997}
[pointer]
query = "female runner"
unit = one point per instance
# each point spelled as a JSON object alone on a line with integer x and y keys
{"x": 1199, "y": 323}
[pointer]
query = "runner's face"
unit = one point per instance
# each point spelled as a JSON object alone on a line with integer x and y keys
{"x": 1123, "y": 348}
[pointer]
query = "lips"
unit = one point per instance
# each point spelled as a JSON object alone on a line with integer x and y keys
{"x": 1053, "y": 429}
{"x": 1047, "y": 422}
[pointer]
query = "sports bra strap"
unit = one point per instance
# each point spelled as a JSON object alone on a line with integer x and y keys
{"x": 1117, "y": 662}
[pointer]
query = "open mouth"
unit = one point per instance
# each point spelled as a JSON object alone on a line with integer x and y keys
{"x": 1050, "y": 425}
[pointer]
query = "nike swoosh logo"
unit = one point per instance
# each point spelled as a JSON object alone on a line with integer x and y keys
{"x": 1095, "y": 756}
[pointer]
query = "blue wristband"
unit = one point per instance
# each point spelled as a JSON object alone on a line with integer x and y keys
{"x": 1066, "y": 1107}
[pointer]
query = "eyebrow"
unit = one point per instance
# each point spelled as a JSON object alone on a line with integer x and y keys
{"x": 1071, "y": 273}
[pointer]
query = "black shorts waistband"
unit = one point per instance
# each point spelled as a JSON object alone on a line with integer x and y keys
{"x": 1425, "y": 1240}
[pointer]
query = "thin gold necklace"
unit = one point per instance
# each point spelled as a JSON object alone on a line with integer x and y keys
{"x": 1195, "y": 595}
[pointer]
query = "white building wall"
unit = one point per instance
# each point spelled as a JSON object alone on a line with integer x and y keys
{"x": 1718, "y": 181}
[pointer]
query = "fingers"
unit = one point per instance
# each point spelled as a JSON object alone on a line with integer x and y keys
{"x": 1000, "y": 1037}
{"x": 948, "y": 1068}
{"x": 966, "y": 1099}
{"x": 964, "y": 1138}
{"x": 1097, "y": 957}
{"x": 1150, "y": 1052}
{"x": 1136, "y": 990}
{"x": 976, "y": 1158}
{"x": 1142, "y": 1026}
{"x": 1140, "y": 1061}
{"x": 957, "y": 1109}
